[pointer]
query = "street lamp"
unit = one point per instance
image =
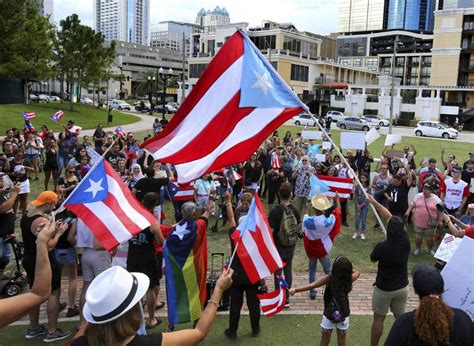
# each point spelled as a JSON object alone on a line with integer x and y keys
{"x": 151, "y": 81}
{"x": 164, "y": 77}
{"x": 392, "y": 92}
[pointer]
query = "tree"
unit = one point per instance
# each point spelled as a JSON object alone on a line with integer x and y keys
{"x": 27, "y": 40}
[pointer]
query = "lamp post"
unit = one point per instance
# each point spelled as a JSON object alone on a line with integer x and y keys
{"x": 392, "y": 92}
{"x": 151, "y": 81}
{"x": 164, "y": 77}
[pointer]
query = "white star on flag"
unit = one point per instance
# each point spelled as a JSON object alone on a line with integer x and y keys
{"x": 262, "y": 82}
{"x": 96, "y": 186}
{"x": 181, "y": 231}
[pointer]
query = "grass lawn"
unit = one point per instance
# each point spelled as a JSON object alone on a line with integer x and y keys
{"x": 276, "y": 330}
{"x": 83, "y": 115}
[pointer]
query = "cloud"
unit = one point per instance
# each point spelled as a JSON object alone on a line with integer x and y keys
{"x": 317, "y": 16}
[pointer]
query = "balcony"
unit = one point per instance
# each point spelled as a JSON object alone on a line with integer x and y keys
{"x": 468, "y": 47}
{"x": 468, "y": 26}
{"x": 467, "y": 67}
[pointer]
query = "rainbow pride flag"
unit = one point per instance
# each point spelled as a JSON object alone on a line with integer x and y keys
{"x": 185, "y": 256}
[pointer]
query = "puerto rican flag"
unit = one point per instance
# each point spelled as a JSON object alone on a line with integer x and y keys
{"x": 343, "y": 186}
{"x": 256, "y": 248}
{"x": 273, "y": 302}
{"x": 320, "y": 232}
{"x": 57, "y": 116}
{"x": 107, "y": 207}
{"x": 29, "y": 115}
{"x": 120, "y": 132}
{"x": 237, "y": 103}
{"x": 184, "y": 192}
{"x": 276, "y": 163}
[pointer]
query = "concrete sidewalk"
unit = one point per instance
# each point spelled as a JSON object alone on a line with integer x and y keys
{"x": 360, "y": 299}
{"x": 145, "y": 123}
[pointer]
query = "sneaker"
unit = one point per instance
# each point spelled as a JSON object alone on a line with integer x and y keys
{"x": 354, "y": 236}
{"x": 432, "y": 253}
{"x": 57, "y": 335}
{"x": 33, "y": 333}
{"x": 230, "y": 335}
{"x": 362, "y": 236}
{"x": 287, "y": 305}
{"x": 62, "y": 306}
{"x": 71, "y": 312}
{"x": 416, "y": 252}
{"x": 255, "y": 333}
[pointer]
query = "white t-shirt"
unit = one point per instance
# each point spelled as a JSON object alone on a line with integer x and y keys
{"x": 454, "y": 193}
{"x": 203, "y": 187}
{"x": 85, "y": 238}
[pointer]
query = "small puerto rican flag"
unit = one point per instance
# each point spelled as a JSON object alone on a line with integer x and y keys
{"x": 273, "y": 302}
{"x": 120, "y": 132}
{"x": 57, "y": 116}
{"x": 29, "y": 115}
{"x": 276, "y": 163}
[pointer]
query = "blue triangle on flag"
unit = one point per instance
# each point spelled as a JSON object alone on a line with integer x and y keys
{"x": 93, "y": 188}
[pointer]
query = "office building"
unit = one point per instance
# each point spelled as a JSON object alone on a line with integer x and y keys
{"x": 361, "y": 15}
{"x": 123, "y": 20}
{"x": 169, "y": 34}
{"x": 456, "y": 4}
{"x": 417, "y": 15}
{"x": 45, "y": 8}
{"x": 218, "y": 16}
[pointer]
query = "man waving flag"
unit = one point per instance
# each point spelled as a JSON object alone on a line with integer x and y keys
{"x": 237, "y": 103}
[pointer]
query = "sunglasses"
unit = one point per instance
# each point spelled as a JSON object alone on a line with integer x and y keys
{"x": 304, "y": 160}
{"x": 71, "y": 172}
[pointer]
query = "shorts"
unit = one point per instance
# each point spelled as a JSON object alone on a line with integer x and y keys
{"x": 50, "y": 167}
{"x": 31, "y": 157}
{"x": 55, "y": 278}
{"x": 327, "y": 324}
{"x": 429, "y": 232}
{"x": 159, "y": 263}
{"x": 395, "y": 300}
{"x": 150, "y": 269}
{"x": 94, "y": 262}
{"x": 201, "y": 202}
{"x": 65, "y": 256}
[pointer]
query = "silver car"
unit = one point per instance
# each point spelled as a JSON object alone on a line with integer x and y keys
{"x": 354, "y": 123}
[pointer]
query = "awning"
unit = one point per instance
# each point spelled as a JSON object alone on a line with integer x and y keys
{"x": 334, "y": 85}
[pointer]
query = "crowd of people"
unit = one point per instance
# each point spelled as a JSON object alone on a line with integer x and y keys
{"x": 407, "y": 192}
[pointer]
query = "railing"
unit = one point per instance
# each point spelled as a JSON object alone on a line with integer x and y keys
{"x": 469, "y": 26}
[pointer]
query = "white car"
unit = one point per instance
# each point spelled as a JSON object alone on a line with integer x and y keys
{"x": 86, "y": 101}
{"x": 435, "y": 129}
{"x": 43, "y": 98}
{"x": 335, "y": 116}
{"x": 54, "y": 99}
{"x": 303, "y": 120}
{"x": 173, "y": 104}
{"x": 120, "y": 104}
{"x": 373, "y": 119}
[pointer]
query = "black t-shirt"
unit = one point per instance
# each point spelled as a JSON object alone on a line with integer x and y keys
{"x": 468, "y": 177}
{"x": 274, "y": 219}
{"x": 403, "y": 332}
{"x": 7, "y": 220}
{"x": 98, "y": 134}
{"x": 141, "y": 249}
{"x": 240, "y": 276}
{"x": 63, "y": 182}
{"x": 113, "y": 158}
{"x": 138, "y": 340}
{"x": 399, "y": 194}
{"x": 252, "y": 173}
{"x": 145, "y": 185}
{"x": 392, "y": 255}
{"x": 364, "y": 164}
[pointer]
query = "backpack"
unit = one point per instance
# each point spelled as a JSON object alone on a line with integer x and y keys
{"x": 288, "y": 232}
{"x": 337, "y": 309}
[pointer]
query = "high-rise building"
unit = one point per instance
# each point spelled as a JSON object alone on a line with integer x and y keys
{"x": 218, "y": 16}
{"x": 169, "y": 34}
{"x": 45, "y": 8}
{"x": 361, "y": 15}
{"x": 123, "y": 20}
{"x": 453, "y": 4}
{"x": 411, "y": 14}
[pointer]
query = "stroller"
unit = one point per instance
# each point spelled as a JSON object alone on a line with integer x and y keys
{"x": 12, "y": 284}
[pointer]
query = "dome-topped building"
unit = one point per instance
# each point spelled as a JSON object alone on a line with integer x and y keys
{"x": 218, "y": 16}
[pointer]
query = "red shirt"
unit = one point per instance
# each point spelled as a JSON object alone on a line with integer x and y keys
{"x": 165, "y": 230}
{"x": 469, "y": 232}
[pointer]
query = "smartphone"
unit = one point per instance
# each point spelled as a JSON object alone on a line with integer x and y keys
{"x": 67, "y": 221}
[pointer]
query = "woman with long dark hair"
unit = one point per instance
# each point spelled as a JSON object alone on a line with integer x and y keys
{"x": 433, "y": 322}
{"x": 336, "y": 298}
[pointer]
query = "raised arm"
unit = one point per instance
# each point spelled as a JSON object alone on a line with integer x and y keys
{"x": 452, "y": 228}
{"x": 8, "y": 204}
{"x": 383, "y": 211}
{"x": 229, "y": 209}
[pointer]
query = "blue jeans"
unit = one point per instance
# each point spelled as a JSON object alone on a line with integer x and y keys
{"x": 62, "y": 161}
{"x": 361, "y": 218}
{"x": 325, "y": 262}
{"x": 5, "y": 253}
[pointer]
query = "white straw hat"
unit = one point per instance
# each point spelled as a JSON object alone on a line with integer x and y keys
{"x": 112, "y": 293}
{"x": 320, "y": 202}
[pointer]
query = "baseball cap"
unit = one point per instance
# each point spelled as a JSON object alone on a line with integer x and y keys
{"x": 470, "y": 206}
{"x": 45, "y": 197}
{"x": 456, "y": 169}
{"x": 427, "y": 280}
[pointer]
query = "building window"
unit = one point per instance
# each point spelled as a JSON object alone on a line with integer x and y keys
{"x": 196, "y": 70}
{"x": 357, "y": 62}
{"x": 275, "y": 65}
{"x": 299, "y": 73}
{"x": 264, "y": 42}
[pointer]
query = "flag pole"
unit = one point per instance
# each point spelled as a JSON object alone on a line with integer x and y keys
{"x": 343, "y": 158}
{"x": 233, "y": 253}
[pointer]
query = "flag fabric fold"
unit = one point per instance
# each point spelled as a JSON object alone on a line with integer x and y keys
{"x": 107, "y": 207}
{"x": 57, "y": 116}
{"x": 276, "y": 163}
{"x": 236, "y": 104}
{"x": 343, "y": 186}
{"x": 256, "y": 247}
{"x": 29, "y": 115}
{"x": 274, "y": 302}
{"x": 317, "y": 186}
{"x": 185, "y": 257}
{"x": 119, "y": 131}
{"x": 320, "y": 232}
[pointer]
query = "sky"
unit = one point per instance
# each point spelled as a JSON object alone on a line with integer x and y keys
{"x": 317, "y": 16}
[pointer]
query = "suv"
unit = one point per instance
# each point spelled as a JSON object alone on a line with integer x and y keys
{"x": 335, "y": 116}
{"x": 120, "y": 104}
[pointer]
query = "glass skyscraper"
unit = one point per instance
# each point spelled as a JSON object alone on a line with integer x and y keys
{"x": 411, "y": 14}
{"x": 361, "y": 15}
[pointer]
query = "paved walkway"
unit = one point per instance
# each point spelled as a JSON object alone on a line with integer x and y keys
{"x": 301, "y": 304}
{"x": 145, "y": 123}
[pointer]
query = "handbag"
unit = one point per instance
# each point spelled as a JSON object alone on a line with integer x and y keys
{"x": 432, "y": 223}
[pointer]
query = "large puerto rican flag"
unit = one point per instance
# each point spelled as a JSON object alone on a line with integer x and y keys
{"x": 343, "y": 186}
{"x": 107, "y": 207}
{"x": 256, "y": 248}
{"x": 237, "y": 103}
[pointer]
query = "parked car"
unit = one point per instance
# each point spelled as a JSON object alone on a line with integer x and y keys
{"x": 86, "y": 101}
{"x": 139, "y": 107}
{"x": 353, "y": 123}
{"x": 43, "y": 98}
{"x": 120, "y": 105}
{"x": 34, "y": 98}
{"x": 376, "y": 120}
{"x": 171, "y": 108}
{"x": 435, "y": 129}
{"x": 173, "y": 104}
{"x": 303, "y": 120}
{"x": 54, "y": 98}
{"x": 335, "y": 116}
